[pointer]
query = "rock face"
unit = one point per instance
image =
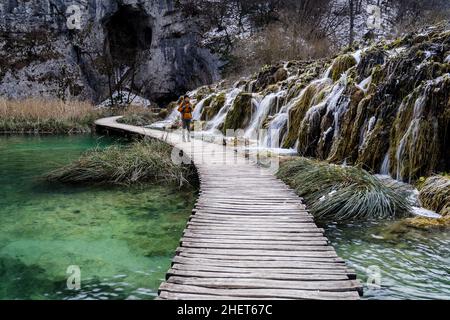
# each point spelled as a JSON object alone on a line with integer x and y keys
{"x": 52, "y": 48}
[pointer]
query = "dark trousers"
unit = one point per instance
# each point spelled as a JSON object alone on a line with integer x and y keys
{"x": 187, "y": 124}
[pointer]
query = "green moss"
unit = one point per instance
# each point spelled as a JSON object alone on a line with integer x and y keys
{"x": 428, "y": 223}
{"x": 297, "y": 113}
{"x": 213, "y": 106}
{"x": 423, "y": 145}
{"x": 346, "y": 148}
{"x": 240, "y": 113}
{"x": 202, "y": 93}
{"x": 342, "y": 64}
{"x": 377, "y": 75}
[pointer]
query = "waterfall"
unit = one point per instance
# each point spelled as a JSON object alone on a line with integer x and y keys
{"x": 170, "y": 120}
{"x": 386, "y": 165}
{"x": 197, "y": 114}
{"x": 357, "y": 55}
{"x": 263, "y": 109}
{"x": 275, "y": 126}
{"x": 214, "y": 124}
{"x": 365, "y": 84}
{"x": 410, "y": 137}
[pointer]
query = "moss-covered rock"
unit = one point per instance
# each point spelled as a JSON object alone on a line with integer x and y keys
{"x": 240, "y": 113}
{"x": 202, "y": 92}
{"x": 298, "y": 111}
{"x": 418, "y": 144}
{"x": 213, "y": 106}
{"x": 341, "y": 64}
{"x": 429, "y": 224}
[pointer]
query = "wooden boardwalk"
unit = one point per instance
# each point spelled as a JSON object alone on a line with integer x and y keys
{"x": 249, "y": 237}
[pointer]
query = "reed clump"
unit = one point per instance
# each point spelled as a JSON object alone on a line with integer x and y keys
{"x": 435, "y": 194}
{"x": 146, "y": 161}
{"x": 53, "y": 116}
{"x": 341, "y": 193}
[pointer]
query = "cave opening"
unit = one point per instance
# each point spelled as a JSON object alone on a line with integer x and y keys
{"x": 129, "y": 31}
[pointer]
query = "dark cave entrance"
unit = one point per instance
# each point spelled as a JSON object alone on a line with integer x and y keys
{"x": 129, "y": 32}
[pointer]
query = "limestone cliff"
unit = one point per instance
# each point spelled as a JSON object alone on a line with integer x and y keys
{"x": 44, "y": 51}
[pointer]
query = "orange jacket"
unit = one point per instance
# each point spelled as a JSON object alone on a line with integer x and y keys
{"x": 186, "y": 110}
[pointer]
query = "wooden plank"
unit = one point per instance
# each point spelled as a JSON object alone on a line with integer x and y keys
{"x": 206, "y": 255}
{"x": 167, "y": 295}
{"x": 260, "y": 225}
{"x": 261, "y": 269}
{"x": 220, "y": 283}
{"x": 251, "y": 246}
{"x": 256, "y": 294}
{"x": 263, "y": 275}
{"x": 257, "y": 264}
{"x": 247, "y": 219}
{"x": 253, "y": 235}
{"x": 256, "y": 229}
{"x": 307, "y": 242}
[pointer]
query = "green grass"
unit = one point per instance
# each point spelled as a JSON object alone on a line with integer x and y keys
{"x": 146, "y": 161}
{"x": 340, "y": 193}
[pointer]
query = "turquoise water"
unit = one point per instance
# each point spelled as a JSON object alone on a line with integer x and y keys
{"x": 122, "y": 239}
{"x": 409, "y": 263}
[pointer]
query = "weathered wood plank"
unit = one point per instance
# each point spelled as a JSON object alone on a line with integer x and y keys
{"x": 307, "y": 242}
{"x": 244, "y": 283}
{"x": 257, "y": 275}
{"x": 261, "y": 293}
{"x": 205, "y": 255}
{"x": 239, "y": 270}
{"x": 257, "y": 264}
{"x": 252, "y": 246}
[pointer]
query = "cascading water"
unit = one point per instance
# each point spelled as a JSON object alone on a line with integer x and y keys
{"x": 411, "y": 134}
{"x": 386, "y": 165}
{"x": 365, "y": 84}
{"x": 215, "y": 123}
{"x": 170, "y": 120}
{"x": 263, "y": 110}
{"x": 197, "y": 114}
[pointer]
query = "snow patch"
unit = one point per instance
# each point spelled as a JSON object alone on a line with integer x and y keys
{"x": 125, "y": 97}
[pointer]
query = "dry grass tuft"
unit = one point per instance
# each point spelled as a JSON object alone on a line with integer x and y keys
{"x": 337, "y": 193}
{"x": 147, "y": 161}
{"x": 56, "y": 116}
